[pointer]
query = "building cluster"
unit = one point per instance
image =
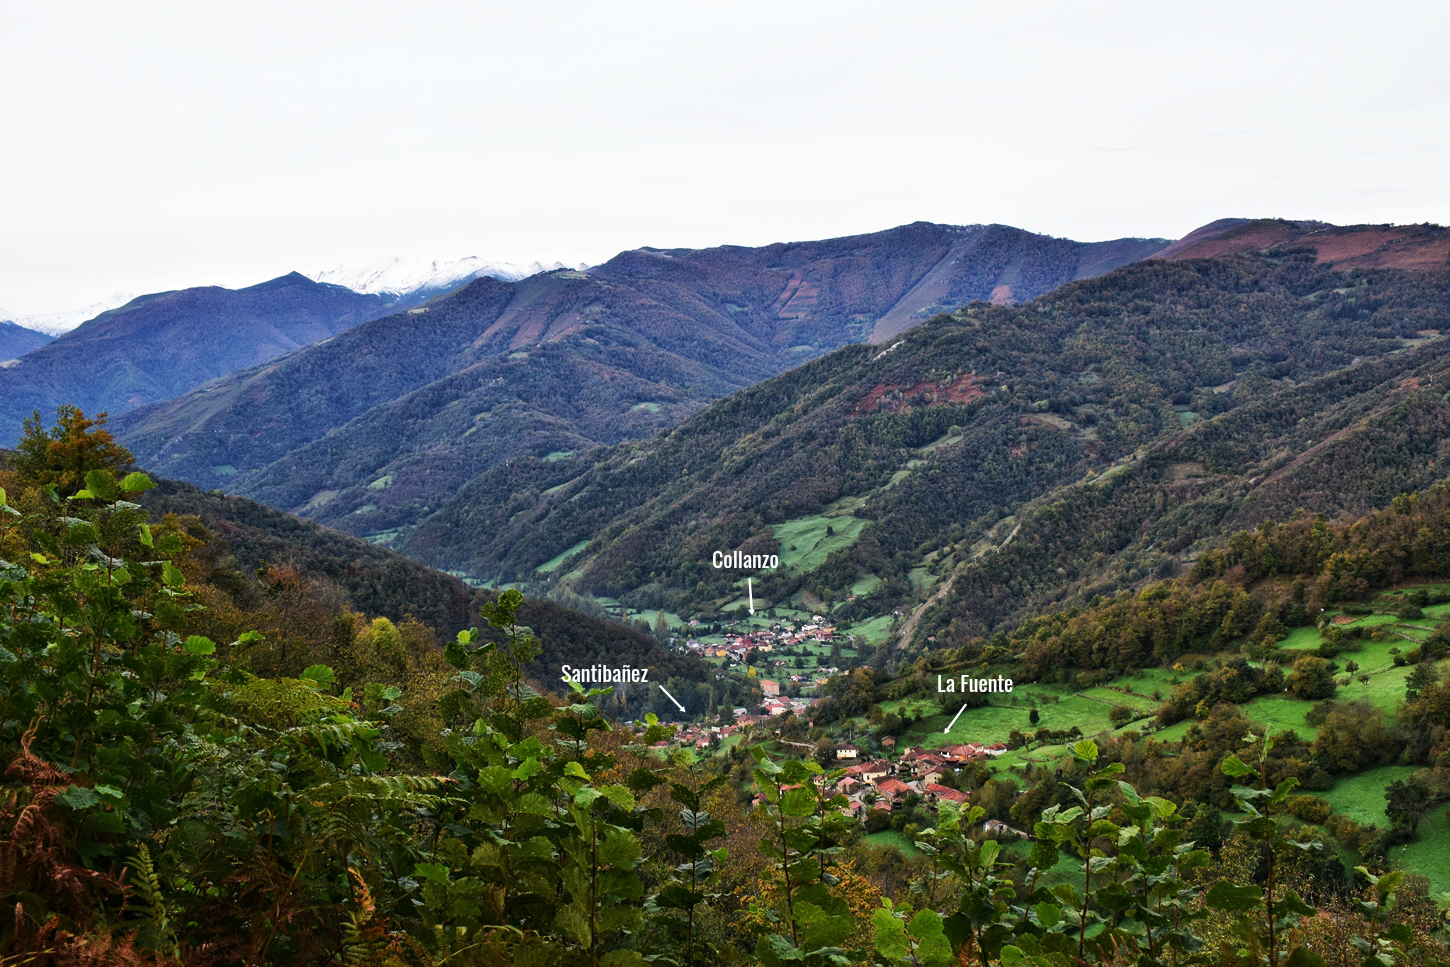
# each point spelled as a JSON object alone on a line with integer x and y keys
{"x": 777, "y": 637}
{"x": 701, "y": 737}
{"x": 884, "y": 784}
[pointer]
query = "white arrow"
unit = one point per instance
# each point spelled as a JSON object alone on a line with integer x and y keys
{"x": 750, "y": 590}
{"x": 954, "y": 719}
{"x": 677, "y": 701}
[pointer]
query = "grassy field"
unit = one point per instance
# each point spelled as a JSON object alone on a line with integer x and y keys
{"x": 910, "y": 706}
{"x": 1057, "y": 708}
{"x": 892, "y": 837}
{"x": 1428, "y": 853}
{"x": 805, "y": 545}
{"x": 921, "y": 579}
{"x": 672, "y": 620}
{"x": 1174, "y": 732}
{"x": 1142, "y": 704}
{"x": 874, "y": 630}
{"x": 866, "y": 585}
{"x": 1361, "y": 796}
{"x": 1308, "y": 637}
{"x": 1279, "y": 712}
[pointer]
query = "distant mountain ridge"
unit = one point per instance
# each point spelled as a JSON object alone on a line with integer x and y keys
{"x": 405, "y": 277}
{"x": 374, "y": 430}
{"x": 1421, "y": 247}
{"x": 55, "y": 323}
{"x": 159, "y": 346}
{"x": 16, "y": 341}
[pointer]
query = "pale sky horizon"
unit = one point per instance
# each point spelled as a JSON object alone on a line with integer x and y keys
{"x": 161, "y": 145}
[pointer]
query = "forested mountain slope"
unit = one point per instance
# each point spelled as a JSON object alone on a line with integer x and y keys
{"x": 377, "y": 428}
{"x": 159, "y": 346}
{"x": 278, "y": 548}
{"x": 1003, "y": 458}
{"x": 16, "y": 341}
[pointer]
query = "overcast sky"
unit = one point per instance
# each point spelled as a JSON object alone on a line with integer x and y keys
{"x": 154, "y": 145}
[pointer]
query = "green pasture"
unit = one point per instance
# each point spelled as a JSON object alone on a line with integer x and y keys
{"x": 875, "y": 630}
{"x": 894, "y": 839}
{"x": 1427, "y": 854}
{"x": 995, "y": 722}
{"x": 1141, "y": 704}
{"x": 1306, "y": 637}
{"x": 1277, "y": 713}
{"x": 812, "y": 545}
{"x": 672, "y": 620}
{"x": 1174, "y": 732}
{"x": 1361, "y": 797}
{"x": 866, "y": 585}
{"x": 553, "y": 563}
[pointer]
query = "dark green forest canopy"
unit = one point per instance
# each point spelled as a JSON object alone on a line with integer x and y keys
{"x": 1176, "y": 382}
{"x": 172, "y": 799}
{"x": 373, "y": 431}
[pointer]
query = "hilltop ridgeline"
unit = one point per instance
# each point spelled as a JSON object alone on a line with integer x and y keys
{"x": 376, "y": 429}
{"x": 1003, "y": 458}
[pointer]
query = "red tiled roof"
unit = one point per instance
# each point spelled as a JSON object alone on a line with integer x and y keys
{"x": 893, "y": 787}
{"x": 943, "y": 792}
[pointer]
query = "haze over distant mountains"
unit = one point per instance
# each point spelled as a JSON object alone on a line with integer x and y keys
{"x": 159, "y": 346}
{"x": 373, "y": 411}
{"x": 17, "y": 341}
{"x": 408, "y": 277}
{"x": 55, "y": 323}
{"x": 375, "y": 429}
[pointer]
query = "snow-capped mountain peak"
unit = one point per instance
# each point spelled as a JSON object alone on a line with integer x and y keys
{"x": 398, "y": 276}
{"x": 55, "y": 323}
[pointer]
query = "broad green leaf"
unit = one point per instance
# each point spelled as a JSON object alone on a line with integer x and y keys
{"x": 890, "y": 935}
{"x": 932, "y": 949}
{"x": 1389, "y": 882}
{"x": 620, "y": 848}
{"x": 320, "y": 674}
{"x": 456, "y": 654}
{"x": 800, "y": 801}
{"x": 527, "y": 769}
{"x": 1293, "y": 906}
{"x": 171, "y": 575}
{"x": 136, "y": 482}
{"x": 199, "y": 645}
{"x": 102, "y": 485}
{"x": 432, "y": 871}
{"x": 619, "y": 795}
{"x": 1235, "y": 767}
{"x": 1224, "y": 895}
{"x": 1303, "y": 957}
{"x": 1282, "y": 790}
{"x": 1015, "y": 957}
